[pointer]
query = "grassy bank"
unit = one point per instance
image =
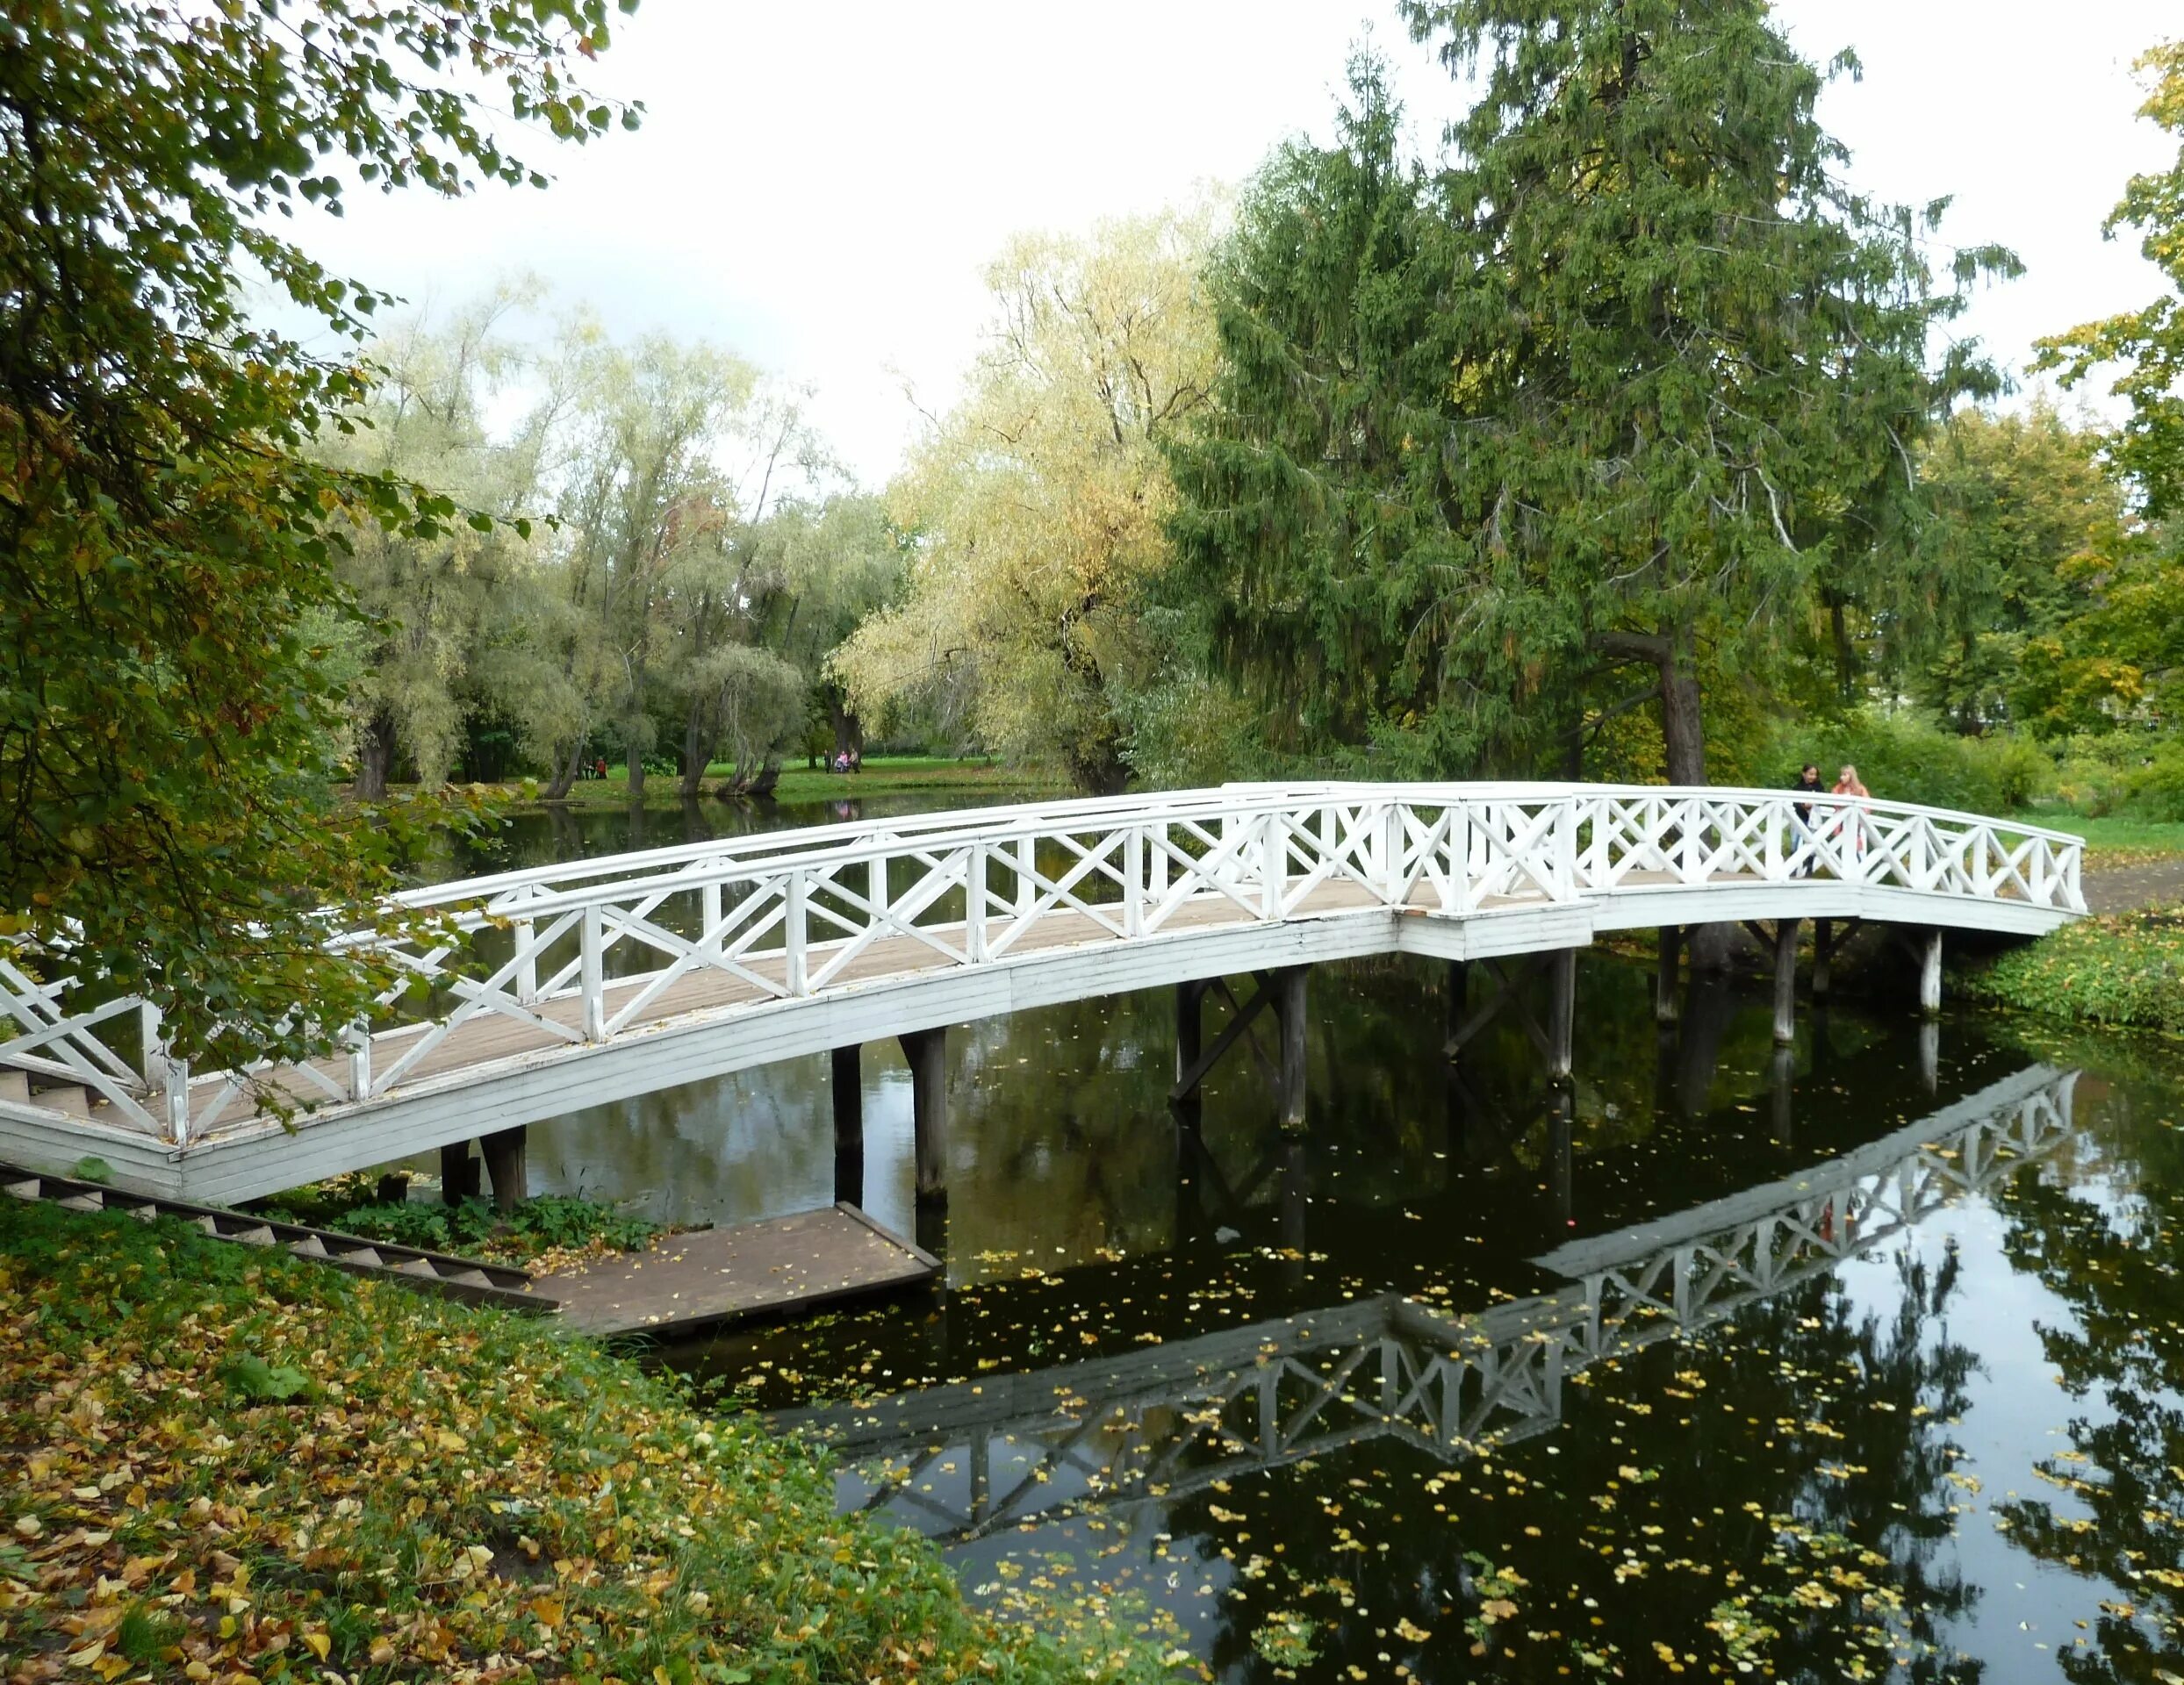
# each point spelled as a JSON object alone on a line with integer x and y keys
{"x": 925, "y": 775}
{"x": 551, "y": 1231}
{"x": 2116, "y": 842}
{"x": 224, "y": 1466}
{"x": 2122, "y": 968}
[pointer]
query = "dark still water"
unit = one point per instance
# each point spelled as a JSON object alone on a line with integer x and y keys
{"x": 1859, "y": 1361}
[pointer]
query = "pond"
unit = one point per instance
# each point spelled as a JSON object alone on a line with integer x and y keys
{"x": 1857, "y": 1360}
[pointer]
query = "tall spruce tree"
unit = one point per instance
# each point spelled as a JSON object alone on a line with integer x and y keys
{"x": 1637, "y": 380}
{"x": 1320, "y": 518}
{"x": 1695, "y": 361}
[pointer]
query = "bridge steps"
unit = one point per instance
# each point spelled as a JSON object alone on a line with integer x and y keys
{"x": 455, "y": 1278}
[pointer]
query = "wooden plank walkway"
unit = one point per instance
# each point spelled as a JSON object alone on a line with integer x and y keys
{"x": 711, "y": 1276}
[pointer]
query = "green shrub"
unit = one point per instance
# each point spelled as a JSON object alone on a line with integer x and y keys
{"x": 1906, "y": 756}
{"x": 2155, "y": 788}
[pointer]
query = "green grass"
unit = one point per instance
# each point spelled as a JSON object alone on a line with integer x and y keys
{"x": 224, "y": 1464}
{"x": 2126, "y": 969}
{"x": 2115, "y": 842}
{"x": 883, "y": 776}
{"x": 547, "y": 1229}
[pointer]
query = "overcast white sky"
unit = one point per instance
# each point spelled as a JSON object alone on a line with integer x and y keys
{"x": 819, "y": 187}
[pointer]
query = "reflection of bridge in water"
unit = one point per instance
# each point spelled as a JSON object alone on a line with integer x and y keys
{"x": 970, "y": 1458}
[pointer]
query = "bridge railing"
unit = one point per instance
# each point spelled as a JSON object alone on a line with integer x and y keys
{"x": 575, "y": 954}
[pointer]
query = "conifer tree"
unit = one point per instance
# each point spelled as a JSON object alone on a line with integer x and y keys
{"x": 1696, "y": 361}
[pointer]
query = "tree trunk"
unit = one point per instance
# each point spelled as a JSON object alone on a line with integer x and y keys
{"x": 697, "y": 745}
{"x": 1683, "y": 737}
{"x": 634, "y": 759}
{"x": 375, "y": 757}
{"x": 768, "y": 776}
{"x": 566, "y": 778}
{"x": 849, "y": 730}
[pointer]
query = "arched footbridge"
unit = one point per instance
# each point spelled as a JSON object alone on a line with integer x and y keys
{"x": 577, "y": 985}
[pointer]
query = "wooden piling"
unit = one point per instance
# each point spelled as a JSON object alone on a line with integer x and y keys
{"x": 1189, "y": 1049}
{"x": 1823, "y": 958}
{"x": 1666, "y": 966}
{"x": 1290, "y": 1007}
{"x": 459, "y": 1172}
{"x": 926, "y": 1051}
{"x": 508, "y": 1165}
{"x": 1562, "y": 1024}
{"x": 1458, "y": 998}
{"x": 1786, "y": 981}
{"x": 847, "y": 1081}
{"x": 1930, "y": 973}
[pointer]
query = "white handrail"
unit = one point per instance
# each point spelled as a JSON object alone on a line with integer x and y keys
{"x": 787, "y": 914}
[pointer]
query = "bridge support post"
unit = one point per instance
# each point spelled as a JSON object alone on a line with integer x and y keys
{"x": 1781, "y": 1082}
{"x": 1823, "y": 958}
{"x": 1459, "y": 997}
{"x": 1561, "y": 1152}
{"x": 507, "y": 1164}
{"x": 1931, "y": 972}
{"x": 1786, "y": 981}
{"x": 1190, "y": 1000}
{"x": 926, "y": 1051}
{"x": 846, "y": 1079}
{"x": 1562, "y": 1023}
{"x": 1289, "y": 984}
{"x": 1930, "y": 1055}
{"x": 1666, "y": 966}
{"x": 459, "y": 1172}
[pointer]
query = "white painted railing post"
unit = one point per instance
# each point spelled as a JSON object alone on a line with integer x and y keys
{"x": 359, "y": 1038}
{"x": 174, "y": 1077}
{"x": 1566, "y": 850}
{"x": 1274, "y": 849}
{"x": 793, "y": 935}
{"x": 1774, "y": 828}
{"x": 166, "y": 1078}
{"x": 1027, "y": 881}
{"x": 1133, "y": 881}
{"x": 591, "y": 967}
{"x": 526, "y": 961}
{"x": 709, "y": 917}
{"x": 975, "y": 904}
{"x": 1391, "y": 854}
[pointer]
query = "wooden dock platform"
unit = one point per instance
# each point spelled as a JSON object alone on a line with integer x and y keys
{"x": 711, "y": 1276}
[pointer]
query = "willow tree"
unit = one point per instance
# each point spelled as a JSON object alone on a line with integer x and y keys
{"x": 167, "y": 537}
{"x": 1689, "y": 351}
{"x": 1038, "y": 503}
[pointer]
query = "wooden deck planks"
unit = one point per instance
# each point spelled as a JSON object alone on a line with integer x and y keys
{"x": 772, "y": 1268}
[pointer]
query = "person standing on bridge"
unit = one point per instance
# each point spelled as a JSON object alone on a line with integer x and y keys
{"x": 1806, "y": 841}
{"x": 1852, "y": 818}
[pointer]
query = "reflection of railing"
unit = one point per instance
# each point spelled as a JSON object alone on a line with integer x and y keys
{"x": 562, "y": 959}
{"x": 962, "y": 1460}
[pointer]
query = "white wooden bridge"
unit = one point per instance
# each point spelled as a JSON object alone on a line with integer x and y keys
{"x": 577, "y": 985}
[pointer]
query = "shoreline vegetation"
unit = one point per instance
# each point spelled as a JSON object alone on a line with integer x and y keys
{"x": 894, "y": 775}
{"x": 224, "y": 1466}
{"x": 2115, "y": 971}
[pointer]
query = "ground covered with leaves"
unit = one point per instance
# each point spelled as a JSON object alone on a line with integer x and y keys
{"x": 2126, "y": 969}
{"x": 221, "y": 1466}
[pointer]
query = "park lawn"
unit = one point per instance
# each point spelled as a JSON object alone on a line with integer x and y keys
{"x": 220, "y": 1464}
{"x": 931, "y": 775}
{"x": 2116, "y": 842}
